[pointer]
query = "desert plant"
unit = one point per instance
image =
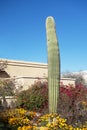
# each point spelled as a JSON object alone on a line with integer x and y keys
{"x": 53, "y": 64}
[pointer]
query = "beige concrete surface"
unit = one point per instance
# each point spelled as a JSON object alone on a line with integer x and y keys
{"x": 25, "y": 73}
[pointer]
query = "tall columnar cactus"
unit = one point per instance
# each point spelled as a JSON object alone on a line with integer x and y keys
{"x": 53, "y": 65}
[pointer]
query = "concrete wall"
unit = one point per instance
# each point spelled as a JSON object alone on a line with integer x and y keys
{"x": 26, "y": 69}
{"x": 26, "y": 73}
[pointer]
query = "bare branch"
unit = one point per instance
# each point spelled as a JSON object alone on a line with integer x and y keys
{"x": 3, "y": 65}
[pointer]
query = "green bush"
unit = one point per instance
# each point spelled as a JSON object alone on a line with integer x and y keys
{"x": 35, "y": 98}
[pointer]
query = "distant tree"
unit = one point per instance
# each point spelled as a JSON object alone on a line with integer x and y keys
{"x": 7, "y": 84}
{"x": 3, "y": 65}
{"x": 7, "y": 87}
{"x": 78, "y": 76}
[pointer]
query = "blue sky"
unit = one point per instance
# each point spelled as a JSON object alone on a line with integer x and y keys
{"x": 23, "y": 33}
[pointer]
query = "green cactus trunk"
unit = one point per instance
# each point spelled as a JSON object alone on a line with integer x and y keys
{"x": 53, "y": 65}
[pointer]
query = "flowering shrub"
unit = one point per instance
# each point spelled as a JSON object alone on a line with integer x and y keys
{"x": 72, "y": 104}
{"x": 12, "y": 113}
{"x": 45, "y": 122}
{"x": 28, "y": 128}
{"x": 53, "y": 121}
{"x": 18, "y": 121}
{"x": 18, "y": 117}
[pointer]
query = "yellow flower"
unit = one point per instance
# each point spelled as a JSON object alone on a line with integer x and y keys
{"x": 43, "y": 128}
{"x": 27, "y": 128}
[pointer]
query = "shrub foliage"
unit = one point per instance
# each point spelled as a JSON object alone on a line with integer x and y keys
{"x": 72, "y": 103}
{"x": 35, "y": 98}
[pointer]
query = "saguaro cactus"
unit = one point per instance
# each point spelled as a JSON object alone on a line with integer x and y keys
{"x": 53, "y": 65}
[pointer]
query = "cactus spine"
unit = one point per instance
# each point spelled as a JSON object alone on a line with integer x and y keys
{"x": 53, "y": 65}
